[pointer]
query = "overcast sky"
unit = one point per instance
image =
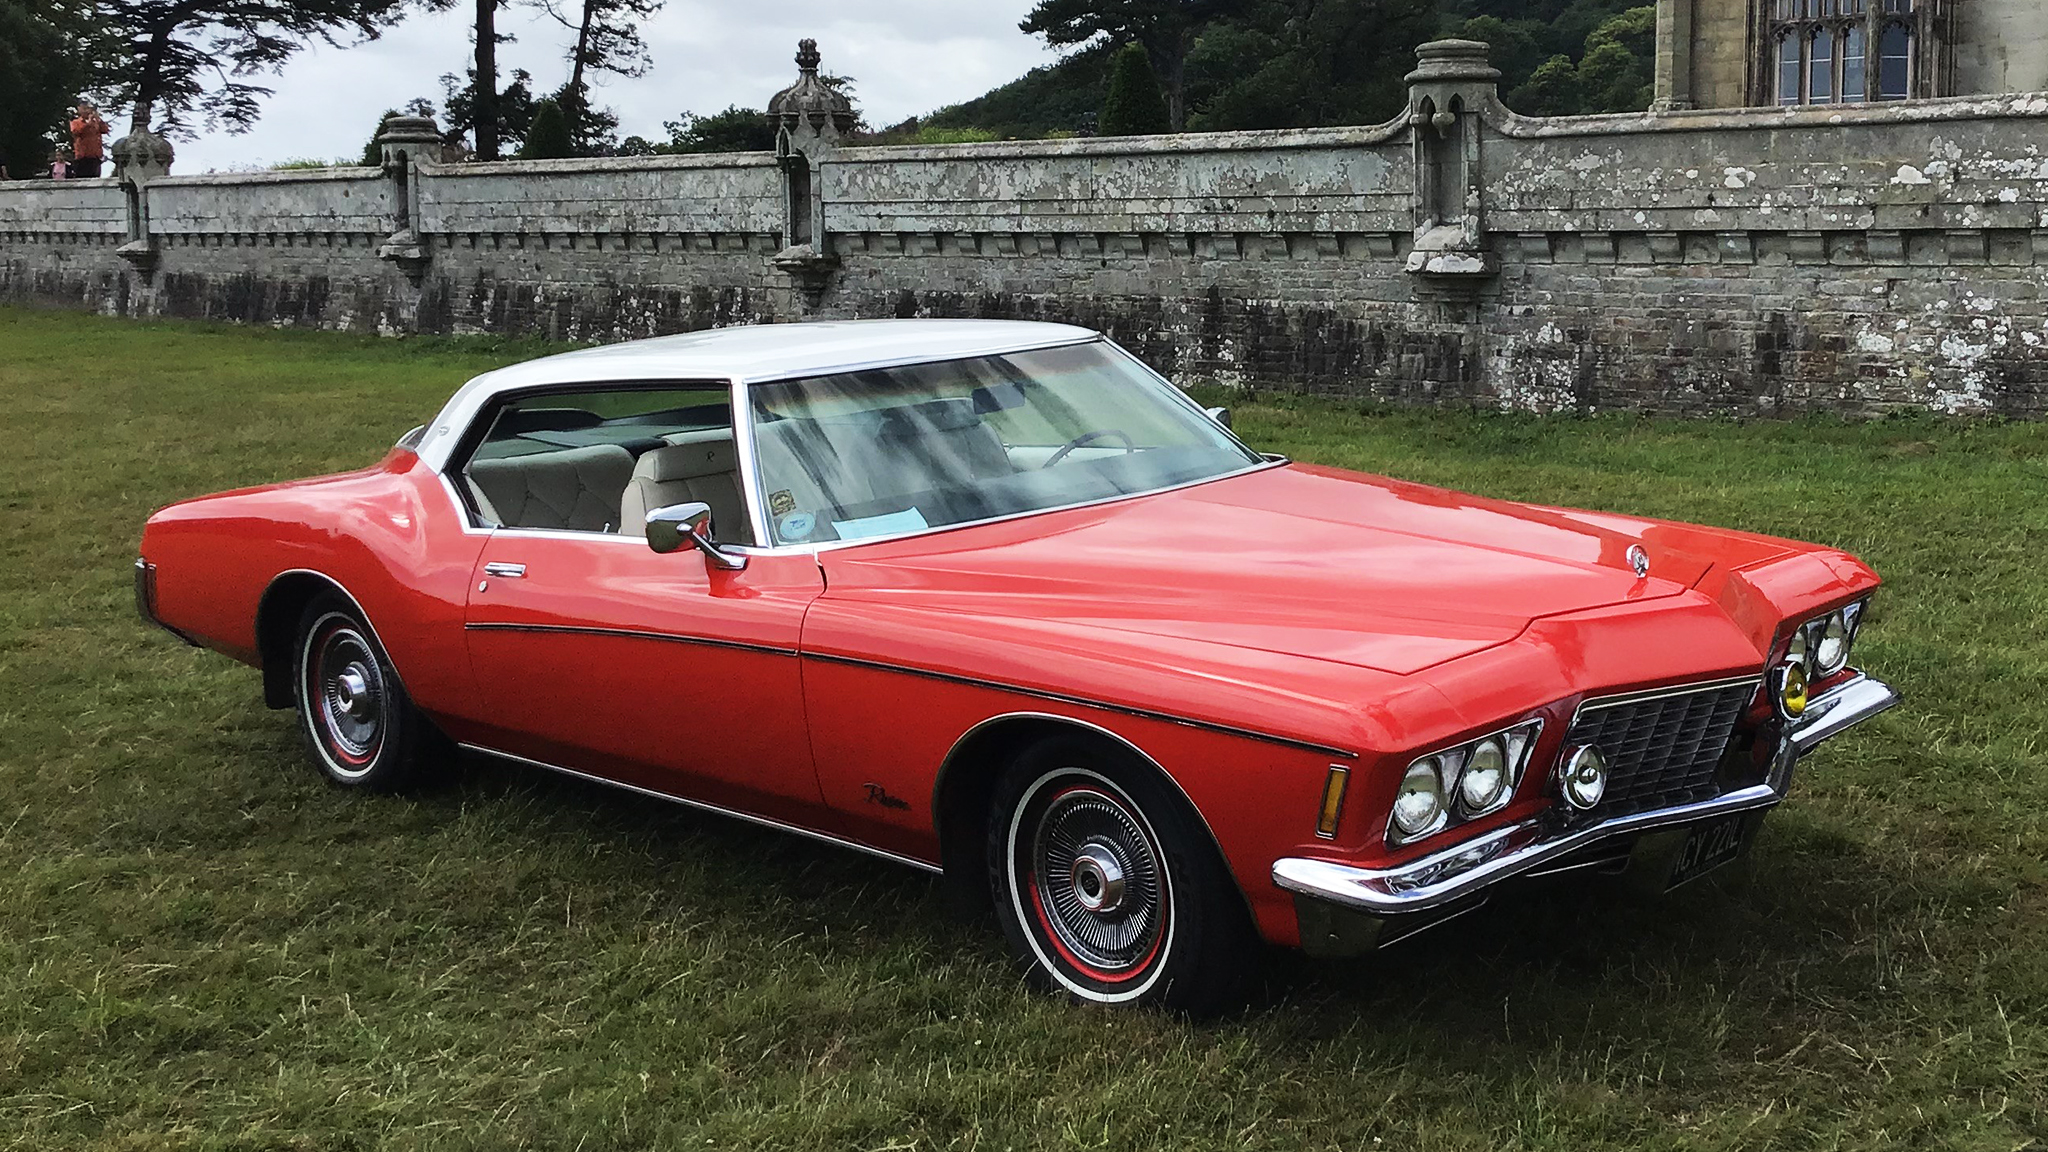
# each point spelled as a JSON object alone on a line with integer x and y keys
{"x": 907, "y": 57}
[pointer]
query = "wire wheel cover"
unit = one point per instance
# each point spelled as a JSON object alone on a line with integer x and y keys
{"x": 346, "y": 689}
{"x": 1096, "y": 877}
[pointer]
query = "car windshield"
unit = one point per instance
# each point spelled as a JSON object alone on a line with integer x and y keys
{"x": 892, "y": 450}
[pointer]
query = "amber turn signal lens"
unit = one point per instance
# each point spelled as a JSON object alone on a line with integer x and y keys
{"x": 1333, "y": 801}
{"x": 1792, "y": 690}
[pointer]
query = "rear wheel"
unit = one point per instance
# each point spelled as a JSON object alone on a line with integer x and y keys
{"x": 1109, "y": 888}
{"x": 361, "y": 729}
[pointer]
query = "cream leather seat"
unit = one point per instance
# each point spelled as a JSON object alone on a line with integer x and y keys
{"x": 576, "y": 488}
{"x": 702, "y": 470}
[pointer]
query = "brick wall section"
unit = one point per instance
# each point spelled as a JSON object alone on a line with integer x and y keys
{"x": 1744, "y": 262}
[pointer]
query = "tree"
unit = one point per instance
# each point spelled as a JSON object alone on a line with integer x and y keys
{"x": 1616, "y": 74}
{"x": 1552, "y": 91}
{"x": 1167, "y": 30}
{"x": 463, "y": 114}
{"x": 41, "y": 71}
{"x": 486, "y": 105}
{"x": 1134, "y": 105}
{"x": 607, "y": 40}
{"x": 736, "y": 129}
{"x": 1304, "y": 63}
{"x": 180, "y": 58}
{"x": 548, "y": 137}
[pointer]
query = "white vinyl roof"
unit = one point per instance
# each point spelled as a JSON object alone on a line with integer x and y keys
{"x": 746, "y": 354}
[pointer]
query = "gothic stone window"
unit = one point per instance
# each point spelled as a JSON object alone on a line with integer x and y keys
{"x": 1849, "y": 51}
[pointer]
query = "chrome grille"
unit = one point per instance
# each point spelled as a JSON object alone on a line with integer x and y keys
{"x": 1662, "y": 748}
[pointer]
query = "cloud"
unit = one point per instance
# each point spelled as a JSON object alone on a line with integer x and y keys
{"x": 907, "y": 57}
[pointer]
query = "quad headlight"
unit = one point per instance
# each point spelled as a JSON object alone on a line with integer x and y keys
{"x": 1419, "y": 806}
{"x": 1461, "y": 783}
{"x": 1820, "y": 647}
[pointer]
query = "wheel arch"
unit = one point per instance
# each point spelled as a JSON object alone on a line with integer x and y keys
{"x": 966, "y": 783}
{"x": 284, "y": 600}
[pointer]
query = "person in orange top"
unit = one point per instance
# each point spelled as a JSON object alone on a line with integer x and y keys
{"x": 87, "y": 130}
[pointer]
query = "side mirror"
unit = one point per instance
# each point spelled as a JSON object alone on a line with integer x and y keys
{"x": 1221, "y": 416}
{"x": 677, "y": 526}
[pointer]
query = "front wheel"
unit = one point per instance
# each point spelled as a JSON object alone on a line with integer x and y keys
{"x": 360, "y": 728}
{"x": 1108, "y": 886}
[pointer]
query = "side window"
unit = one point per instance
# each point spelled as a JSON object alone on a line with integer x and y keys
{"x": 600, "y": 460}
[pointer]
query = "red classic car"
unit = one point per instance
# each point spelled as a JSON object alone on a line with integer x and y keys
{"x": 994, "y": 599}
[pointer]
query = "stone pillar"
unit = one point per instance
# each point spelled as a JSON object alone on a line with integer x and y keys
{"x": 1447, "y": 94}
{"x": 403, "y": 141}
{"x": 140, "y": 157}
{"x": 1673, "y": 91}
{"x": 809, "y": 118}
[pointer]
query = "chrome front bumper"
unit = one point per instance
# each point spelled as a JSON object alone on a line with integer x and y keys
{"x": 1457, "y": 877}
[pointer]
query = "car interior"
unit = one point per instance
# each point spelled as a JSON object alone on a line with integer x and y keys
{"x": 861, "y": 457}
{"x": 547, "y": 465}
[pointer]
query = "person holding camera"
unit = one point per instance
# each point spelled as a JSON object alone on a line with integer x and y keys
{"x": 87, "y": 132}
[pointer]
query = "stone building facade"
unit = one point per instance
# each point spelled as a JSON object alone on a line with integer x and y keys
{"x": 1746, "y": 261}
{"x": 1765, "y": 53}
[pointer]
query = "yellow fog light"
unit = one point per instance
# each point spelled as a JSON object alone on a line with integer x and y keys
{"x": 1792, "y": 691}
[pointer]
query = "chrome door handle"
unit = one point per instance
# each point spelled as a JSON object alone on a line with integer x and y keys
{"x": 498, "y": 568}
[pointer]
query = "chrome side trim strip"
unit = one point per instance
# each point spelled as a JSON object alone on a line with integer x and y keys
{"x": 1466, "y": 868}
{"x": 631, "y": 634}
{"x": 701, "y": 806}
{"x": 1084, "y": 702}
{"x": 1841, "y": 708}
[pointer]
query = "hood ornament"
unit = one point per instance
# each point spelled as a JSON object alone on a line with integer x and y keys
{"x": 1639, "y": 560}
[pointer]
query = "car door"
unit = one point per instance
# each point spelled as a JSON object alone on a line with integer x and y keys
{"x": 594, "y": 653}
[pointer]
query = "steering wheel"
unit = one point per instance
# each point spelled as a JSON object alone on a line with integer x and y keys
{"x": 1087, "y": 438}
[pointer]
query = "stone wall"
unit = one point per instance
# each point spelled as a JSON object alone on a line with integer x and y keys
{"x": 1850, "y": 259}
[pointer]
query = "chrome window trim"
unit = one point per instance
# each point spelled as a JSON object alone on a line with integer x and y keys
{"x": 462, "y": 408}
{"x": 744, "y": 442}
{"x": 703, "y": 806}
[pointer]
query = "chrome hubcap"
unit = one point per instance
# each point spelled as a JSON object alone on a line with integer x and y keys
{"x": 352, "y": 692}
{"x": 348, "y": 692}
{"x": 1098, "y": 879}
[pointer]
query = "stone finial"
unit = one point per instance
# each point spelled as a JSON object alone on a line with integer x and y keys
{"x": 1446, "y": 61}
{"x": 810, "y": 100}
{"x": 141, "y": 156}
{"x": 406, "y": 139}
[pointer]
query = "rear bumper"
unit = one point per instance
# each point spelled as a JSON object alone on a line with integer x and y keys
{"x": 1331, "y": 896}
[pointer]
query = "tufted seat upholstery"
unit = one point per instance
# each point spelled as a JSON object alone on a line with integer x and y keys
{"x": 576, "y": 488}
{"x": 704, "y": 470}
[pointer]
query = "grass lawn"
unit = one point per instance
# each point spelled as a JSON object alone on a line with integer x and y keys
{"x": 204, "y": 946}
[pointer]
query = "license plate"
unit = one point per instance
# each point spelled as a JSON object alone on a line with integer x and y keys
{"x": 1709, "y": 846}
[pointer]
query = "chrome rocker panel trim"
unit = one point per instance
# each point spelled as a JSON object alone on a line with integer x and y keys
{"x": 1464, "y": 870}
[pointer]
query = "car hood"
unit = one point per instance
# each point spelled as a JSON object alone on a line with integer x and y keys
{"x": 1301, "y": 560}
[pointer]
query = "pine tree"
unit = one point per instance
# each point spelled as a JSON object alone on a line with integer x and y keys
{"x": 1134, "y": 105}
{"x": 548, "y": 137}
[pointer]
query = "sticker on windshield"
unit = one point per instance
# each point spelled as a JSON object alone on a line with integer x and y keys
{"x": 796, "y": 525}
{"x": 908, "y": 520}
{"x": 781, "y": 502}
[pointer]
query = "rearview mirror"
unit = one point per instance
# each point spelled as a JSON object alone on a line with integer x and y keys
{"x": 676, "y": 526}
